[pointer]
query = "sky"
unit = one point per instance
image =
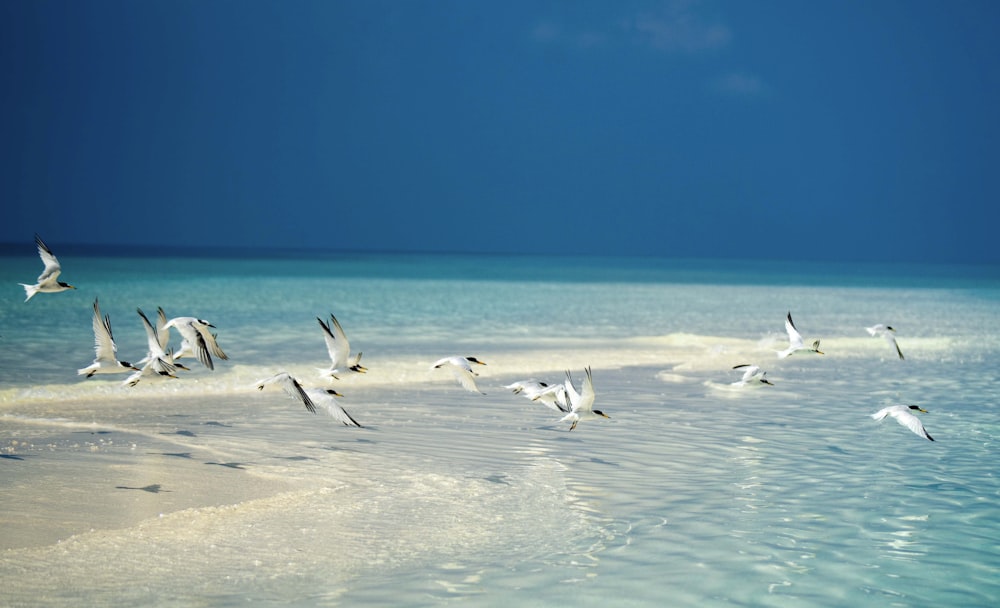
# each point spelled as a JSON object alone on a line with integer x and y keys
{"x": 847, "y": 130}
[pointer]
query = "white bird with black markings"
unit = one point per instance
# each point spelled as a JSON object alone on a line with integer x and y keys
{"x": 157, "y": 362}
{"x": 552, "y": 396}
{"x": 201, "y": 341}
{"x": 339, "y": 350}
{"x": 48, "y": 281}
{"x": 753, "y": 375}
{"x": 795, "y": 342}
{"x": 311, "y": 397}
{"x": 904, "y": 415}
{"x": 582, "y": 402}
{"x": 105, "y": 349}
{"x": 887, "y": 332}
{"x": 461, "y": 367}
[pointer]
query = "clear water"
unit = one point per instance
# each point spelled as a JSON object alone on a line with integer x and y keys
{"x": 204, "y": 491}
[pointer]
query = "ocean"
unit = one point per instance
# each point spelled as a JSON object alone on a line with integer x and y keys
{"x": 203, "y": 491}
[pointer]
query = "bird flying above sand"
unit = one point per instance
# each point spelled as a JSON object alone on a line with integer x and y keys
{"x": 196, "y": 333}
{"x": 795, "y": 343}
{"x": 48, "y": 281}
{"x": 156, "y": 362}
{"x": 904, "y": 415}
{"x": 752, "y": 376}
{"x": 311, "y": 397}
{"x": 582, "y": 402}
{"x": 887, "y": 332}
{"x": 105, "y": 361}
{"x": 461, "y": 367}
{"x": 553, "y": 396}
{"x": 340, "y": 350}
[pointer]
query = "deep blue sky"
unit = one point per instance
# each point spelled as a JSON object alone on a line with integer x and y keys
{"x": 836, "y": 130}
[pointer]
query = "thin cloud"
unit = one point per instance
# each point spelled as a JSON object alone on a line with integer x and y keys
{"x": 740, "y": 84}
{"x": 677, "y": 28}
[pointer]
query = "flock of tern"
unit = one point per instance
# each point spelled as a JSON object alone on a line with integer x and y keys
{"x": 198, "y": 341}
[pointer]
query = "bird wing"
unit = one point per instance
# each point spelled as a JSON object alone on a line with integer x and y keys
{"x": 571, "y": 392}
{"x": 794, "y": 337}
{"x": 211, "y": 342}
{"x": 586, "y": 402}
{"x": 152, "y": 337}
{"x": 892, "y": 340}
{"x": 52, "y": 267}
{"x": 332, "y": 407}
{"x": 162, "y": 332}
{"x": 911, "y": 422}
{"x": 194, "y": 338}
{"x": 104, "y": 342}
{"x": 336, "y": 343}
{"x": 467, "y": 379}
{"x": 291, "y": 386}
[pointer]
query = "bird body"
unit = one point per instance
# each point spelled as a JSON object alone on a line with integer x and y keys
{"x": 48, "y": 281}
{"x": 904, "y": 415}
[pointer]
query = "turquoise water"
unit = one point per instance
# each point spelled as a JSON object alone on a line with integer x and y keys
{"x": 202, "y": 490}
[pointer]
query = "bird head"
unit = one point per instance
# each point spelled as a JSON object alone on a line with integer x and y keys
{"x": 66, "y": 285}
{"x": 917, "y": 408}
{"x": 474, "y": 360}
{"x": 330, "y": 391}
{"x": 602, "y": 414}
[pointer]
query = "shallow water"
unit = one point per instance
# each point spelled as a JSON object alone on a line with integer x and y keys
{"x": 202, "y": 490}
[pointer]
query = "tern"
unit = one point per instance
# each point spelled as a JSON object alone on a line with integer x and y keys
{"x": 156, "y": 362}
{"x": 462, "y": 368}
{"x": 105, "y": 361}
{"x": 795, "y": 343}
{"x": 339, "y": 349}
{"x": 200, "y": 340}
{"x": 582, "y": 403}
{"x": 887, "y": 332}
{"x": 553, "y": 396}
{"x": 48, "y": 281}
{"x": 903, "y": 416}
{"x": 752, "y": 376}
{"x": 311, "y": 397}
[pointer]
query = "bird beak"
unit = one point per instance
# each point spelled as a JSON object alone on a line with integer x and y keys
{"x": 766, "y": 381}
{"x": 920, "y": 409}
{"x": 605, "y": 415}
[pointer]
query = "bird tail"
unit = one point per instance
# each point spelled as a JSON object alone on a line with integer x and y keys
{"x": 29, "y": 291}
